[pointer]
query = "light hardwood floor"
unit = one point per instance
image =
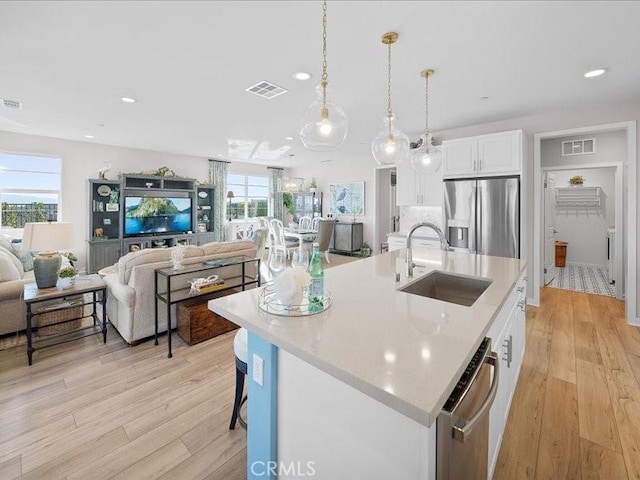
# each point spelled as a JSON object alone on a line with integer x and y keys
{"x": 576, "y": 409}
{"x": 85, "y": 410}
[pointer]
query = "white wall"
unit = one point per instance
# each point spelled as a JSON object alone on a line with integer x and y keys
{"x": 610, "y": 147}
{"x": 585, "y": 228}
{"x": 81, "y": 161}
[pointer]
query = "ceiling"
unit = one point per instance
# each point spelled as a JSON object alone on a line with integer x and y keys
{"x": 188, "y": 65}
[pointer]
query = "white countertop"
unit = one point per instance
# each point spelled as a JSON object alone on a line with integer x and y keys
{"x": 403, "y": 350}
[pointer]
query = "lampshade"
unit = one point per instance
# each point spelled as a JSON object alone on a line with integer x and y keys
{"x": 291, "y": 184}
{"x": 323, "y": 125}
{"x": 41, "y": 236}
{"x": 47, "y": 238}
{"x": 390, "y": 146}
{"x": 426, "y": 158}
{"x": 230, "y": 194}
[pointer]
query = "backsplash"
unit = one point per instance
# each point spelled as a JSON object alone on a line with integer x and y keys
{"x": 409, "y": 216}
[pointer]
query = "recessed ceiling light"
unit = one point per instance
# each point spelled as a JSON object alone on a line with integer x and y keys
{"x": 288, "y": 138}
{"x": 595, "y": 73}
{"x": 89, "y": 136}
{"x": 484, "y": 98}
{"x": 128, "y": 100}
{"x": 302, "y": 76}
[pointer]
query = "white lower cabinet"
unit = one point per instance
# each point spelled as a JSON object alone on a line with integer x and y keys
{"x": 508, "y": 341}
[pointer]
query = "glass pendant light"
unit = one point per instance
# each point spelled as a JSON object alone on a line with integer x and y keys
{"x": 426, "y": 158}
{"x": 323, "y": 125}
{"x": 390, "y": 146}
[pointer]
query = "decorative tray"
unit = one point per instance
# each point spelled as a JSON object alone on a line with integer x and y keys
{"x": 268, "y": 302}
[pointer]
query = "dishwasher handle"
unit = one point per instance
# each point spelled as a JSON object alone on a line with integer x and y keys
{"x": 459, "y": 433}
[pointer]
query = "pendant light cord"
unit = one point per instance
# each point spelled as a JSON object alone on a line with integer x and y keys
{"x": 426, "y": 110}
{"x": 325, "y": 77}
{"x": 389, "y": 110}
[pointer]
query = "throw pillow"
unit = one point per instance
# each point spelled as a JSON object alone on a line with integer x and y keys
{"x": 26, "y": 258}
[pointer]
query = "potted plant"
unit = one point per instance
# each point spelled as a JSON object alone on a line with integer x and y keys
{"x": 576, "y": 181}
{"x": 365, "y": 250}
{"x": 67, "y": 276}
{"x": 313, "y": 187}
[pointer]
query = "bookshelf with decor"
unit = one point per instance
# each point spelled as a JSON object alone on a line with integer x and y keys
{"x": 204, "y": 214}
{"x": 104, "y": 236}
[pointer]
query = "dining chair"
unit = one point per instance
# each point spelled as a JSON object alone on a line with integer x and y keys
{"x": 279, "y": 241}
{"x": 304, "y": 223}
{"x": 263, "y": 222}
{"x": 325, "y": 230}
{"x": 315, "y": 223}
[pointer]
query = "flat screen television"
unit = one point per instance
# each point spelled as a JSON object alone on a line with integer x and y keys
{"x": 156, "y": 215}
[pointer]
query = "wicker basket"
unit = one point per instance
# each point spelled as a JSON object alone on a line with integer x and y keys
{"x": 47, "y": 319}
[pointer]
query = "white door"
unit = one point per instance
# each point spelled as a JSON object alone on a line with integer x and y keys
{"x": 549, "y": 228}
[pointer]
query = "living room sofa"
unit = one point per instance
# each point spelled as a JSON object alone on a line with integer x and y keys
{"x": 12, "y": 280}
{"x": 131, "y": 291}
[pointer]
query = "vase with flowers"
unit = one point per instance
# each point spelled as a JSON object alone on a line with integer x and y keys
{"x": 576, "y": 181}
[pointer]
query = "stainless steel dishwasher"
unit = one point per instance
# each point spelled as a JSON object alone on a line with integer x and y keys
{"x": 463, "y": 425}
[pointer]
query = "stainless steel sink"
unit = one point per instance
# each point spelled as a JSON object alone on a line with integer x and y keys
{"x": 449, "y": 287}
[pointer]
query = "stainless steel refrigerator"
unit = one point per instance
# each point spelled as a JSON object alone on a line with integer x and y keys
{"x": 483, "y": 215}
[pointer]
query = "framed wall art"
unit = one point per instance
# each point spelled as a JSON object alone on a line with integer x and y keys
{"x": 346, "y": 198}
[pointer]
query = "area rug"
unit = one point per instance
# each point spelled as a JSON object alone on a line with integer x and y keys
{"x": 584, "y": 278}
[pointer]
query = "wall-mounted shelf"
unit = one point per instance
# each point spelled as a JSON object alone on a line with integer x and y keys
{"x": 578, "y": 196}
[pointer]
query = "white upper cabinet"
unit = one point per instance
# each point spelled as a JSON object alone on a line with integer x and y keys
{"x": 459, "y": 157}
{"x": 485, "y": 155}
{"x": 424, "y": 189}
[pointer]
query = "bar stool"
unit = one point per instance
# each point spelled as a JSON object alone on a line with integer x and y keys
{"x": 241, "y": 355}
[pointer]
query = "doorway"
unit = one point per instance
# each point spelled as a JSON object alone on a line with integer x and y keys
{"x": 387, "y": 218}
{"x": 578, "y": 225}
{"x": 626, "y": 198}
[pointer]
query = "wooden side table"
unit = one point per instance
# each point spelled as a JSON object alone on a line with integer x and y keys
{"x": 58, "y": 300}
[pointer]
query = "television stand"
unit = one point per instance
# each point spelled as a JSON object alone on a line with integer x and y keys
{"x": 133, "y": 244}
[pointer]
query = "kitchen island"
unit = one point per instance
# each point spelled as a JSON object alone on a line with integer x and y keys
{"x": 354, "y": 392}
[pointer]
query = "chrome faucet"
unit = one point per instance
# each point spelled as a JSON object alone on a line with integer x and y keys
{"x": 444, "y": 245}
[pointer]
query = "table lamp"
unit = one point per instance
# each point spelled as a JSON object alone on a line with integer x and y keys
{"x": 47, "y": 238}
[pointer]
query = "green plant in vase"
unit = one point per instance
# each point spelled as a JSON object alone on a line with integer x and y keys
{"x": 67, "y": 276}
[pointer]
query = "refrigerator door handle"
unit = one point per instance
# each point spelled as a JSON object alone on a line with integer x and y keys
{"x": 472, "y": 222}
{"x": 480, "y": 248}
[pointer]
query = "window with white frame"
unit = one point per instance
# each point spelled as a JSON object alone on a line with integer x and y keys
{"x": 29, "y": 189}
{"x": 250, "y": 196}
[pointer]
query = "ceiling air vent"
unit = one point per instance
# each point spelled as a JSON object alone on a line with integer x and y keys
{"x": 14, "y": 104}
{"x": 266, "y": 90}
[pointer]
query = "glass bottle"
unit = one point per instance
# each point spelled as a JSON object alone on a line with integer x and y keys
{"x": 316, "y": 288}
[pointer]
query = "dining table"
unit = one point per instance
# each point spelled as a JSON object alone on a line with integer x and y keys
{"x": 300, "y": 234}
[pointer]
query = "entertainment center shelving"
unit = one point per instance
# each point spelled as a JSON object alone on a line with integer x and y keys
{"x": 109, "y": 199}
